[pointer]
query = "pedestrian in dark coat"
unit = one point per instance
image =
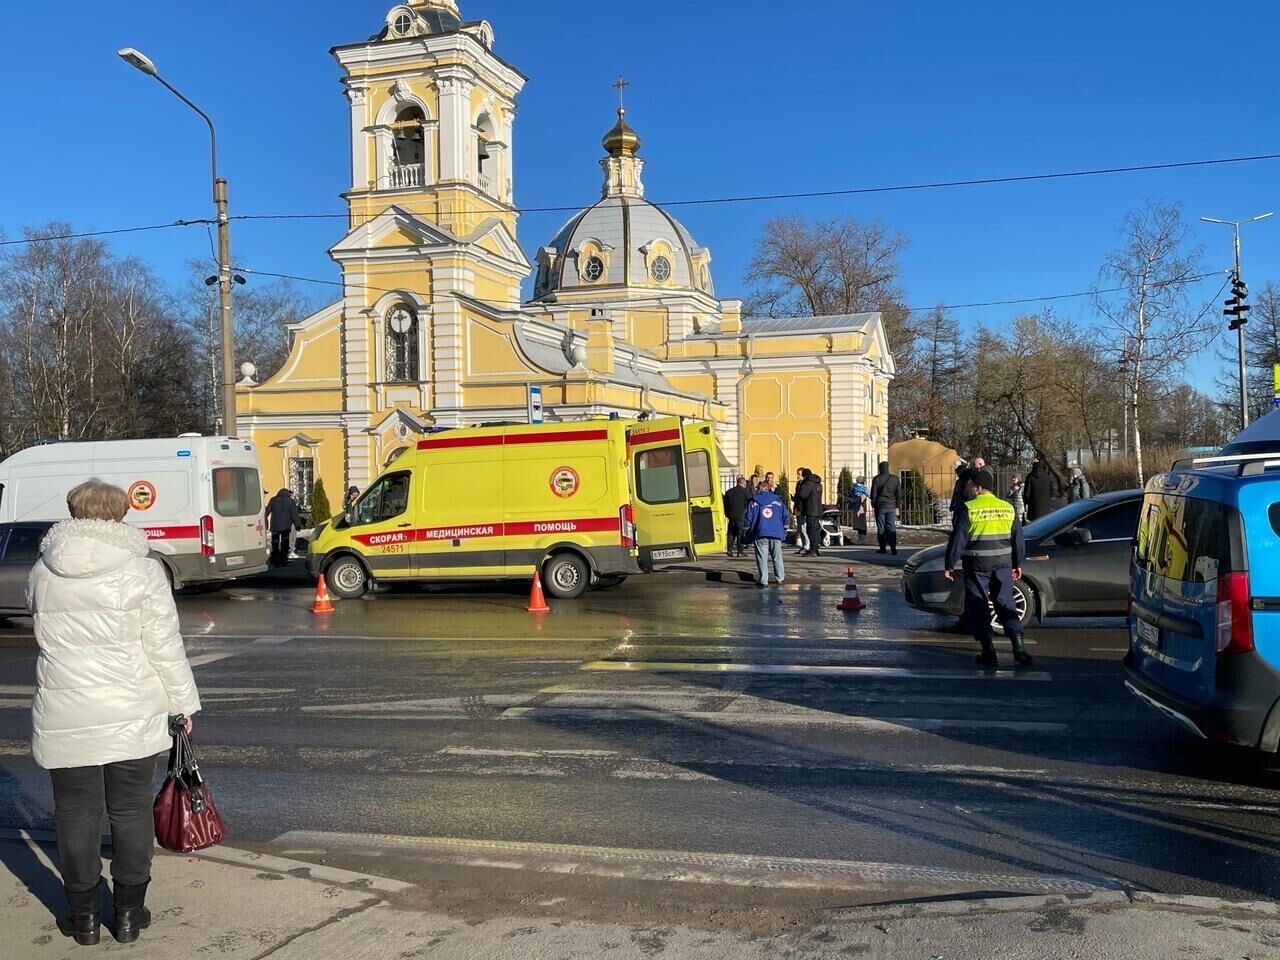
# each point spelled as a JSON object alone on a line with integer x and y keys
{"x": 809, "y": 504}
{"x": 353, "y": 494}
{"x": 735, "y": 507}
{"x": 886, "y": 501}
{"x": 283, "y": 517}
{"x": 1041, "y": 490}
{"x": 963, "y": 470}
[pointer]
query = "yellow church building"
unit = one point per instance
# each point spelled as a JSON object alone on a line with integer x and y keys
{"x": 431, "y": 331}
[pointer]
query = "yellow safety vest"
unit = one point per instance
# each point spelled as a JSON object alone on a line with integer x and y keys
{"x": 991, "y": 519}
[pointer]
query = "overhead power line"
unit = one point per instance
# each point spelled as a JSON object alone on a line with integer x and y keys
{"x": 104, "y": 233}
{"x": 855, "y": 191}
{"x": 945, "y": 306}
{"x": 747, "y": 198}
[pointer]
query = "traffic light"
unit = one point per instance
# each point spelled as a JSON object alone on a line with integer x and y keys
{"x": 1236, "y": 307}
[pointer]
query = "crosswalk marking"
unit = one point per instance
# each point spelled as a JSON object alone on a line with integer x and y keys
{"x": 687, "y": 666}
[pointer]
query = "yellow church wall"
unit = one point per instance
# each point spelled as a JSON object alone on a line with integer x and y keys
{"x": 328, "y": 458}
{"x": 314, "y": 359}
{"x": 785, "y": 421}
{"x": 489, "y": 352}
{"x": 647, "y": 328}
{"x": 288, "y": 400}
{"x": 703, "y": 383}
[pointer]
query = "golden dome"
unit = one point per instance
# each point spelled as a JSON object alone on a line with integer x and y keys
{"x": 621, "y": 140}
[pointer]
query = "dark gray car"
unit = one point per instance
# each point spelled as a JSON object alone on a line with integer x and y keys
{"x": 1077, "y": 563}
{"x": 19, "y": 550}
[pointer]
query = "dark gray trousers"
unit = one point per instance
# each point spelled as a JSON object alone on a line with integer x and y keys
{"x": 126, "y": 791}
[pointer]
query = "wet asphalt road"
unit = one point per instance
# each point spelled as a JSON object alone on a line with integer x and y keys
{"x": 674, "y": 715}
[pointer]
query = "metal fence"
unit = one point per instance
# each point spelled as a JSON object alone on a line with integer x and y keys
{"x": 926, "y": 497}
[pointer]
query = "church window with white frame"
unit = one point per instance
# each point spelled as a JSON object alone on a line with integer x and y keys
{"x": 402, "y": 345}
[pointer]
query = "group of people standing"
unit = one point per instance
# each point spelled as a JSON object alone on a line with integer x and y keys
{"x": 1036, "y": 497}
{"x": 757, "y": 516}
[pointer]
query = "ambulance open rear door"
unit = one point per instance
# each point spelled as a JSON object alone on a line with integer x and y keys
{"x": 659, "y": 491}
{"x": 706, "y": 507}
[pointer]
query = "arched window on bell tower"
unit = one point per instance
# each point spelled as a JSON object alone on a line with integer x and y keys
{"x": 402, "y": 345}
{"x": 406, "y": 167}
{"x": 487, "y": 173}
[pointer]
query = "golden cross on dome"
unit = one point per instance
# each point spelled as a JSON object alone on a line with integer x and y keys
{"x": 620, "y": 85}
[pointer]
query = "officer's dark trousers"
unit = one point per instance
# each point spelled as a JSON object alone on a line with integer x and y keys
{"x": 979, "y": 586}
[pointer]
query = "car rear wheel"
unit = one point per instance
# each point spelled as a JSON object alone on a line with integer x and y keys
{"x": 566, "y": 576}
{"x": 1025, "y": 602}
{"x": 347, "y": 578}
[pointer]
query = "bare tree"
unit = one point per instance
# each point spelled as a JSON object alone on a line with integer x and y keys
{"x": 1153, "y": 328}
{"x": 824, "y": 267}
{"x": 263, "y": 314}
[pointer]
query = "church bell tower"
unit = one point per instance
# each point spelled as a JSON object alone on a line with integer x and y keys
{"x": 432, "y": 112}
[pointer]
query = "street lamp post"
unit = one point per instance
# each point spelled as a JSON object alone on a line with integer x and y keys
{"x": 1240, "y": 317}
{"x": 141, "y": 62}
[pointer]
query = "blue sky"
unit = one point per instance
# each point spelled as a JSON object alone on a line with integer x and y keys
{"x": 730, "y": 98}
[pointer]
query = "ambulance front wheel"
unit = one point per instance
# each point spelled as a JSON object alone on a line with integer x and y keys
{"x": 566, "y": 576}
{"x": 347, "y": 578}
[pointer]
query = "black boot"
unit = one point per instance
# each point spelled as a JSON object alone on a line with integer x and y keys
{"x": 132, "y": 917}
{"x": 1020, "y": 656}
{"x": 987, "y": 658}
{"x": 84, "y": 921}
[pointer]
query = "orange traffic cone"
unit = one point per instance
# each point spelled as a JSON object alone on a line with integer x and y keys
{"x": 851, "y": 601}
{"x": 322, "y": 602}
{"x": 537, "y": 602}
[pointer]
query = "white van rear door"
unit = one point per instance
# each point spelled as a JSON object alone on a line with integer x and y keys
{"x": 236, "y": 498}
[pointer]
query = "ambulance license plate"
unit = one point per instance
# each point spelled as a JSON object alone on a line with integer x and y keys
{"x": 677, "y": 553}
{"x": 1149, "y": 633}
{"x": 235, "y": 561}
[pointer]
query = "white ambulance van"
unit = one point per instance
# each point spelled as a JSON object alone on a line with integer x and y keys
{"x": 199, "y": 499}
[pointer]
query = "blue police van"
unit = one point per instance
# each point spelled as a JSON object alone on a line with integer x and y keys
{"x": 1204, "y": 617}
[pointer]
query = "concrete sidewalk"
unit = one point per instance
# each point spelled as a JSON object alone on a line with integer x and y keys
{"x": 233, "y": 904}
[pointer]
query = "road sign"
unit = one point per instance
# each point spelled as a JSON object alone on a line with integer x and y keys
{"x": 535, "y": 404}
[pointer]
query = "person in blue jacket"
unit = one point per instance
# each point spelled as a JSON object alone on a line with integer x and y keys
{"x": 765, "y": 525}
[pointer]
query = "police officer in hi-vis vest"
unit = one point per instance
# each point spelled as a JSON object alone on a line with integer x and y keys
{"x": 987, "y": 537}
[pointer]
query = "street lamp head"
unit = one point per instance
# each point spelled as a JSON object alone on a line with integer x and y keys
{"x": 138, "y": 60}
{"x": 1263, "y": 216}
{"x": 1215, "y": 220}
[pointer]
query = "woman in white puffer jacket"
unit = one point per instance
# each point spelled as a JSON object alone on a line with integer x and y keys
{"x": 112, "y": 670}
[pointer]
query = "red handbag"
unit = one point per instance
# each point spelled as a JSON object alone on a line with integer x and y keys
{"x": 185, "y": 816}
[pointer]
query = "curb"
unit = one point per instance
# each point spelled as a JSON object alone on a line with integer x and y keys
{"x": 1016, "y": 904}
{"x": 236, "y": 857}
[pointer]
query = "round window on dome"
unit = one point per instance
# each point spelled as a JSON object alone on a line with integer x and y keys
{"x": 660, "y": 269}
{"x": 593, "y": 269}
{"x": 402, "y": 24}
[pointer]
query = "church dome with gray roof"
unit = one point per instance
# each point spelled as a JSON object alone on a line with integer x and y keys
{"x": 622, "y": 240}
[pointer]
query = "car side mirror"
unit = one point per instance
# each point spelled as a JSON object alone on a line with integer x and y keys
{"x": 1075, "y": 537}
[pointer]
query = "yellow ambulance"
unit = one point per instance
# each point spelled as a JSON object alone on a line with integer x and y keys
{"x": 589, "y": 503}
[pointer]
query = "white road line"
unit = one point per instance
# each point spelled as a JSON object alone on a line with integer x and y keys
{"x": 765, "y": 718}
{"x": 679, "y": 666}
{"x": 491, "y": 752}
{"x": 204, "y": 659}
{"x": 685, "y": 866}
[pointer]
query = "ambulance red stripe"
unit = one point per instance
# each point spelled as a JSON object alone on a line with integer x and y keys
{"x": 481, "y": 531}
{"x": 555, "y": 436}
{"x": 654, "y": 436}
{"x": 172, "y": 533}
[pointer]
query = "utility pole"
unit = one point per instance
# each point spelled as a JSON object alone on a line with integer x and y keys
{"x": 144, "y": 64}
{"x": 1237, "y": 308}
